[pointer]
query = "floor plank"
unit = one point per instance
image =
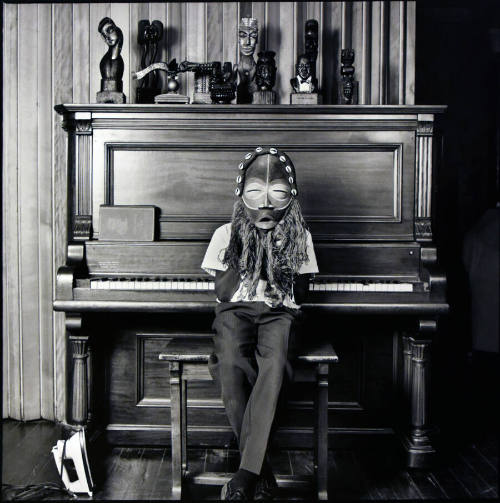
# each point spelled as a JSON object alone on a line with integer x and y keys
{"x": 346, "y": 477}
{"x": 428, "y": 486}
{"x": 467, "y": 472}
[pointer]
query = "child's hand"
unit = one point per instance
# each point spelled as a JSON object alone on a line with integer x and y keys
{"x": 226, "y": 284}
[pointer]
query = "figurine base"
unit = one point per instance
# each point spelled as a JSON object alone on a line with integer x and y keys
{"x": 342, "y": 100}
{"x": 171, "y": 98}
{"x": 305, "y": 99}
{"x": 202, "y": 98}
{"x": 264, "y": 98}
{"x": 146, "y": 95}
{"x": 110, "y": 97}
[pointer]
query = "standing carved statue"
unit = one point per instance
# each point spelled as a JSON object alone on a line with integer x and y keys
{"x": 311, "y": 43}
{"x": 305, "y": 83}
{"x": 265, "y": 77}
{"x": 148, "y": 37}
{"x": 111, "y": 65}
{"x": 348, "y": 87}
{"x": 248, "y": 35}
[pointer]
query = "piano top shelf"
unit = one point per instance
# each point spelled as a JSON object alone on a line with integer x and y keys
{"x": 250, "y": 109}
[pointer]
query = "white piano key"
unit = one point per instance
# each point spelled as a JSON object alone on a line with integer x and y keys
{"x": 212, "y": 285}
{"x": 335, "y": 287}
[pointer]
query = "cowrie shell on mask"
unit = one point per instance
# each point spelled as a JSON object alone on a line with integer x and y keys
{"x": 238, "y": 179}
{"x": 248, "y": 155}
{"x": 294, "y": 192}
{"x": 282, "y": 158}
{"x": 258, "y": 149}
{"x": 241, "y": 165}
{"x": 237, "y": 191}
{"x": 273, "y": 151}
{"x": 288, "y": 169}
{"x": 290, "y": 179}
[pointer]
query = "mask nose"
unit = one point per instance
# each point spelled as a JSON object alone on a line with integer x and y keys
{"x": 266, "y": 204}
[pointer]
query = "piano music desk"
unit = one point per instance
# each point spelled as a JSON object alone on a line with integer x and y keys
{"x": 188, "y": 362}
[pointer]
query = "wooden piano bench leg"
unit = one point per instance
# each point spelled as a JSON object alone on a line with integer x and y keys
{"x": 321, "y": 431}
{"x": 177, "y": 430}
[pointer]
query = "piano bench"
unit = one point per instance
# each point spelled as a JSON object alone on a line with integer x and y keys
{"x": 188, "y": 360}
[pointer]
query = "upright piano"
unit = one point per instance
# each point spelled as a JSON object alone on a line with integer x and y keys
{"x": 368, "y": 193}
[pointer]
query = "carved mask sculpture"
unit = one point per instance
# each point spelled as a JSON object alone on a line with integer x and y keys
{"x": 111, "y": 34}
{"x": 267, "y": 186}
{"x": 248, "y": 35}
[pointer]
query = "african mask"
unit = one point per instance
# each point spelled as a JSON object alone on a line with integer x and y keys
{"x": 267, "y": 185}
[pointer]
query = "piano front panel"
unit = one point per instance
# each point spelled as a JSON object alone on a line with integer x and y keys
{"x": 370, "y": 174}
{"x": 138, "y": 394}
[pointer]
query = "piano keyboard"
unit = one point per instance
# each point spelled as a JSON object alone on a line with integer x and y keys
{"x": 152, "y": 284}
{"x": 360, "y": 287}
{"x": 200, "y": 285}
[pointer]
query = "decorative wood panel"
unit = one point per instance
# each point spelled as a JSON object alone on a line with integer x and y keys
{"x": 11, "y": 307}
{"x": 62, "y": 65}
{"x": 360, "y": 387}
{"x": 51, "y": 54}
{"x": 45, "y": 250}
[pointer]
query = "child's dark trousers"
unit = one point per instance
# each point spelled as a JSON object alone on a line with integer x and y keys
{"x": 254, "y": 347}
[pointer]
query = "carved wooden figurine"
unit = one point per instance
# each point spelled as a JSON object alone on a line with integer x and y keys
{"x": 305, "y": 83}
{"x": 148, "y": 37}
{"x": 265, "y": 77}
{"x": 247, "y": 39}
{"x": 111, "y": 65}
{"x": 348, "y": 88}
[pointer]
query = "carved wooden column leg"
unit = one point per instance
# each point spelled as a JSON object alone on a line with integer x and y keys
{"x": 90, "y": 380}
{"x": 79, "y": 385}
{"x": 184, "y": 425}
{"x": 420, "y": 449}
{"x": 176, "y": 428}
{"x": 407, "y": 374}
{"x": 321, "y": 432}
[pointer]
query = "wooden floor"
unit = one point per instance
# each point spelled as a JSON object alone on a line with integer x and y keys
{"x": 470, "y": 472}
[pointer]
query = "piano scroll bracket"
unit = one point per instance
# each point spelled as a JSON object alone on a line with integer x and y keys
{"x": 433, "y": 277}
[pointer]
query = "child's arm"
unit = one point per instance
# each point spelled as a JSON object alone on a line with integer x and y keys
{"x": 226, "y": 284}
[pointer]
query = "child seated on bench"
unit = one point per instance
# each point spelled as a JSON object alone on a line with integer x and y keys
{"x": 262, "y": 262}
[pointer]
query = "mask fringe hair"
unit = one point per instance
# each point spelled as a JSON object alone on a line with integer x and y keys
{"x": 285, "y": 249}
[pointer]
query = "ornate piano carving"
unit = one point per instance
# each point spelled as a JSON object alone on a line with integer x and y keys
{"x": 367, "y": 193}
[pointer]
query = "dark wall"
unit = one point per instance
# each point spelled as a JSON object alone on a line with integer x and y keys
{"x": 457, "y": 66}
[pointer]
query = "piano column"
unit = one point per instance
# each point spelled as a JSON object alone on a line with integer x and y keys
{"x": 420, "y": 448}
{"x": 79, "y": 401}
